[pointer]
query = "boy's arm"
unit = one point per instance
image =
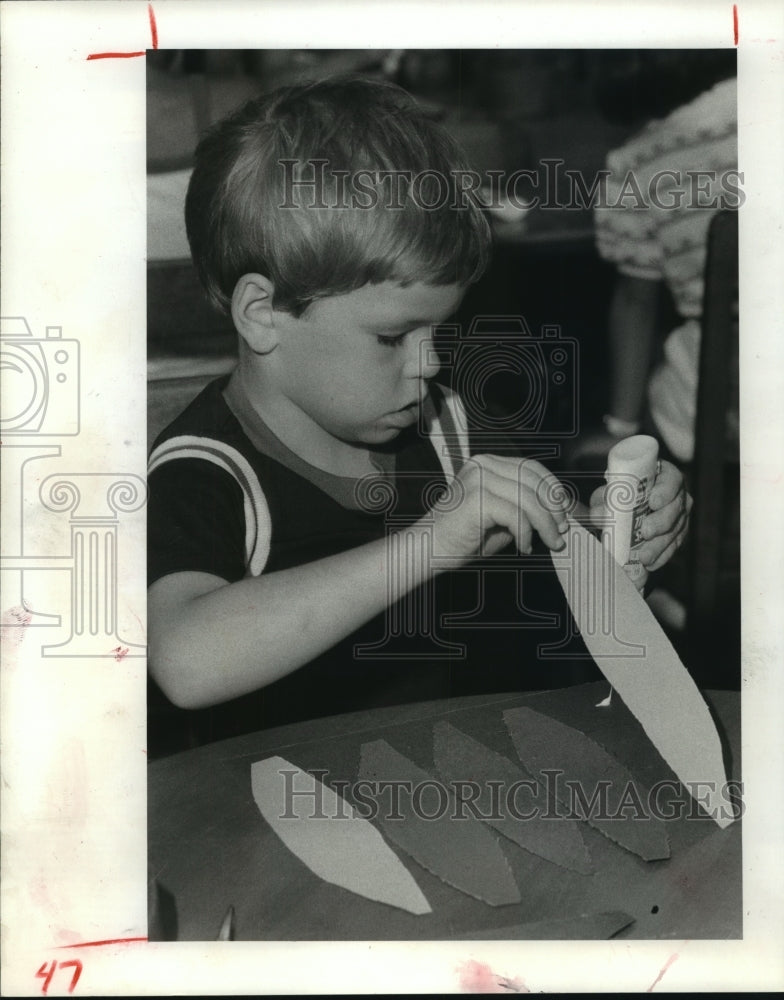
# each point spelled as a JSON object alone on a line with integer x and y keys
{"x": 211, "y": 640}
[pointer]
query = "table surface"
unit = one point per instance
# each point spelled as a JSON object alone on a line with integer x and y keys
{"x": 209, "y": 847}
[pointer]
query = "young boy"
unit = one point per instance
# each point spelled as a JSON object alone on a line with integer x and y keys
{"x": 299, "y": 508}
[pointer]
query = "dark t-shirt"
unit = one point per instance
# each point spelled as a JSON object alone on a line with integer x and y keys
{"x": 226, "y": 497}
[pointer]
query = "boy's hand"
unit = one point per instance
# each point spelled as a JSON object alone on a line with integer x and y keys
{"x": 667, "y": 524}
{"x": 494, "y": 500}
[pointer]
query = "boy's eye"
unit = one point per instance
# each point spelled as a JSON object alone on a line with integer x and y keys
{"x": 394, "y": 341}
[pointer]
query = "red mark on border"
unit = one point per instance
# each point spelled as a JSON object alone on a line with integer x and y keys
{"x": 120, "y": 652}
{"x": 96, "y": 944}
{"x": 115, "y": 55}
{"x": 476, "y": 977}
{"x": 138, "y": 619}
{"x": 132, "y": 55}
{"x": 664, "y": 968}
{"x": 154, "y": 26}
{"x": 16, "y": 620}
{"x": 47, "y": 971}
{"x": 735, "y": 22}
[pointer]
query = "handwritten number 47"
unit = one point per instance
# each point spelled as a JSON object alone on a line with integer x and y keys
{"x": 47, "y": 970}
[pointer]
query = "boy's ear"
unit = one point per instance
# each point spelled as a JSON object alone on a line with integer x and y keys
{"x": 252, "y": 313}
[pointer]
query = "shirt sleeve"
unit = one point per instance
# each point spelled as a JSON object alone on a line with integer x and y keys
{"x": 195, "y": 521}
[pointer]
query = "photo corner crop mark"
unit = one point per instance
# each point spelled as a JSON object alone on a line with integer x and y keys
{"x": 139, "y": 52}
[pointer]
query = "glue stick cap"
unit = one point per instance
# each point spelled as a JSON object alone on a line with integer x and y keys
{"x": 635, "y": 456}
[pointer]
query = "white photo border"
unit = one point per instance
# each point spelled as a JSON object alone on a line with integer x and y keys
{"x": 73, "y": 723}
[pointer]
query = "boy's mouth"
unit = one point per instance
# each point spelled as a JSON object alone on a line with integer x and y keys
{"x": 405, "y": 415}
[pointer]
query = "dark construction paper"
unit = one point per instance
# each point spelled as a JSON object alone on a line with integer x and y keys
{"x": 460, "y": 758}
{"x": 461, "y": 852}
{"x": 545, "y": 745}
{"x": 586, "y": 927}
{"x": 705, "y": 879}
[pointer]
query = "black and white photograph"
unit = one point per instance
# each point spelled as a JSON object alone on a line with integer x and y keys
{"x": 441, "y": 317}
{"x": 386, "y": 601}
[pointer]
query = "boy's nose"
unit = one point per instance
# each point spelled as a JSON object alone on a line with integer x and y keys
{"x": 423, "y": 361}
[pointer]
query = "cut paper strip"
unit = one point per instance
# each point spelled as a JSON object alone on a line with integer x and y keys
{"x": 325, "y": 833}
{"x": 638, "y": 660}
{"x": 586, "y": 927}
{"x": 503, "y": 797}
{"x": 605, "y": 702}
{"x": 578, "y": 770}
{"x": 461, "y": 852}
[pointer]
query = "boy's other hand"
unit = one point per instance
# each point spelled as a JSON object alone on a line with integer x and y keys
{"x": 666, "y": 526}
{"x": 495, "y": 500}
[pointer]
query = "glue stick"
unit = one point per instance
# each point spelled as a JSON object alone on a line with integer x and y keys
{"x": 632, "y": 462}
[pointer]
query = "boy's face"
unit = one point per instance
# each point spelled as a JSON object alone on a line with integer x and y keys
{"x": 356, "y": 366}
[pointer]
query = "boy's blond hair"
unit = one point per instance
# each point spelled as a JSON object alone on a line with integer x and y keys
{"x": 327, "y": 186}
